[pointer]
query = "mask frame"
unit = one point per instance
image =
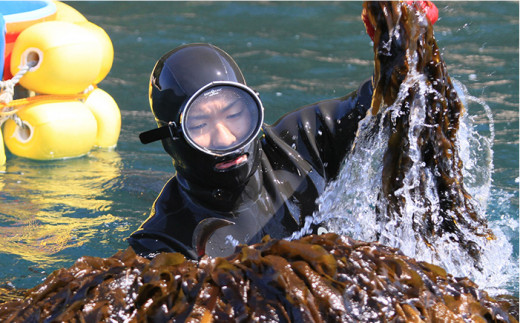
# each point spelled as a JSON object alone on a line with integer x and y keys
{"x": 177, "y": 131}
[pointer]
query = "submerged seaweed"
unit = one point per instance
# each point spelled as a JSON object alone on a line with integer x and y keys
{"x": 325, "y": 278}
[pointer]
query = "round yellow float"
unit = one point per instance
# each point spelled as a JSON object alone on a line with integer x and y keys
{"x": 108, "y": 117}
{"x": 19, "y": 15}
{"x": 67, "y": 58}
{"x": 52, "y": 130}
{"x": 107, "y": 54}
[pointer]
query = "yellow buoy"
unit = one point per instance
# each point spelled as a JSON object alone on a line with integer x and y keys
{"x": 106, "y": 47}
{"x": 51, "y": 130}
{"x": 18, "y": 16}
{"x": 108, "y": 117}
{"x": 2, "y": 151}
{"x": 64, "y": 12}
{"x": 67, "y": 58}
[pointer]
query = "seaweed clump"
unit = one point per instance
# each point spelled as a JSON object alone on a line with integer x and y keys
{"x": 319, "y": 278}
{"x": 411, "y": 78}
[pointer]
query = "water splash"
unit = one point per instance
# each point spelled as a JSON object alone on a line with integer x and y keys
{"x": 476, "y": 149}
{"x": 352, "y": 206}
{"x": 418, "y": 159}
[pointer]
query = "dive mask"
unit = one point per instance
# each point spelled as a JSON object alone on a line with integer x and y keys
{"x": 219, "y": 119}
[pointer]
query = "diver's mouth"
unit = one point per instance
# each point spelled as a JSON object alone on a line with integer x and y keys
{"x": 228, "y": 164}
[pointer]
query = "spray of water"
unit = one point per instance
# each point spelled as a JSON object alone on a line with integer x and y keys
{"x": 419, "y": 176}
{"x": 500, "y": 268}
{"x": 352, "y": 205}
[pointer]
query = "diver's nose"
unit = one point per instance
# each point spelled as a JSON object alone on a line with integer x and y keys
{"x": 222, "y": 136}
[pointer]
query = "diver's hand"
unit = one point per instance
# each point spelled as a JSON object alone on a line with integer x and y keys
{"x": 432, "y": 13}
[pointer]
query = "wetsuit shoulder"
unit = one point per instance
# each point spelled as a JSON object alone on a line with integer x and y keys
{"x": 323, "y": 132}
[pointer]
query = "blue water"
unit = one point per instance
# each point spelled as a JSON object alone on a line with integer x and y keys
{"x": 293, "y": 53}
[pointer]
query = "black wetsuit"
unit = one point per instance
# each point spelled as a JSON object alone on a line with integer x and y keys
{"x": 300, "y": 154}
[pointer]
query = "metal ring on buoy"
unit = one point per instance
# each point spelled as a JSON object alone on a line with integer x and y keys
{"x": 32, "y": 57}
{"x": 24, "y": 132}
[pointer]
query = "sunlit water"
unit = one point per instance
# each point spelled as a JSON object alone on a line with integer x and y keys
{"x": 52, "y": 213}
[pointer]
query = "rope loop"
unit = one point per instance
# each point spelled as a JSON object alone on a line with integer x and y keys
{"x": 17, "y": 120}
{"x": 7, "y": 87}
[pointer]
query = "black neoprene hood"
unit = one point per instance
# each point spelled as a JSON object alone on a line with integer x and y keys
{"x": 183, "y": 71}
{"x": 177, "y": 76}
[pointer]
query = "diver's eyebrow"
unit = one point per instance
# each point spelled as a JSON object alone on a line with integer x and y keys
{"x": 229, "y": 106}
{"x": 199, "y": 116}
{"x": 206, "y": 115}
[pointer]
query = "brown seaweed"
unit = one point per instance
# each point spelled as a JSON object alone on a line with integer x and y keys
{"x": 319, "y": 278}
{"x": 404, "y": 44}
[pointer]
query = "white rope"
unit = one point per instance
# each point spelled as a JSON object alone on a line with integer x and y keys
{"x": 7, "y": 87}
{"x": 17, "y": 120}
{"x": 7, "y": 93}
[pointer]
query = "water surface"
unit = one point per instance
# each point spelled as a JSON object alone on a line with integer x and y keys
{"x": 293, "y": 53}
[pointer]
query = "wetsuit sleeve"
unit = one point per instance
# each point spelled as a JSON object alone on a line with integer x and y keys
{"x": 323, "y": 132}
{"x": 148, "y": 244}
{"x": 167, "y": 220}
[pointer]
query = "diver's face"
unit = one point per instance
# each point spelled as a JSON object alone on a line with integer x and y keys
{"x": 218, "y": 124}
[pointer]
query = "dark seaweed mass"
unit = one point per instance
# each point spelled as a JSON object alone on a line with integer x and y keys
{"x": 325, "y": 278}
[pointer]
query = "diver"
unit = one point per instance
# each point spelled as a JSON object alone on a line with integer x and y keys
{"x": 237, "y": 179}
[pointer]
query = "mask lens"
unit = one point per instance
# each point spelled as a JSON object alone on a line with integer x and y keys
{"x": 222, "y": 119}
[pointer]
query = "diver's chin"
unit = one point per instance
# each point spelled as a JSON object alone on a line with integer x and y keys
{"x": 230, "y": 164}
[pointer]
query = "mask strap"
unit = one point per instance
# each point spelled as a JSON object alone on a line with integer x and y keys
{"x": 170, "y": 130}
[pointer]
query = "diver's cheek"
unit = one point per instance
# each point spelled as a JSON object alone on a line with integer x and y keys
{"x": 240, "y": 128}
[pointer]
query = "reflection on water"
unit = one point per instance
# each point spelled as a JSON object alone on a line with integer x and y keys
{"x": 50, "y": 206}
{"x": 39, "y": 239}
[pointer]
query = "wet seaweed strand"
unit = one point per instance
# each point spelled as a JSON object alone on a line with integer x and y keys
{"x": 404, "y": 40}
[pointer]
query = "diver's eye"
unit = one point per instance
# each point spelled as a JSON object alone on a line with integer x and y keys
{"x": 197, "y": 126}
{"x": 235, "y": 115}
